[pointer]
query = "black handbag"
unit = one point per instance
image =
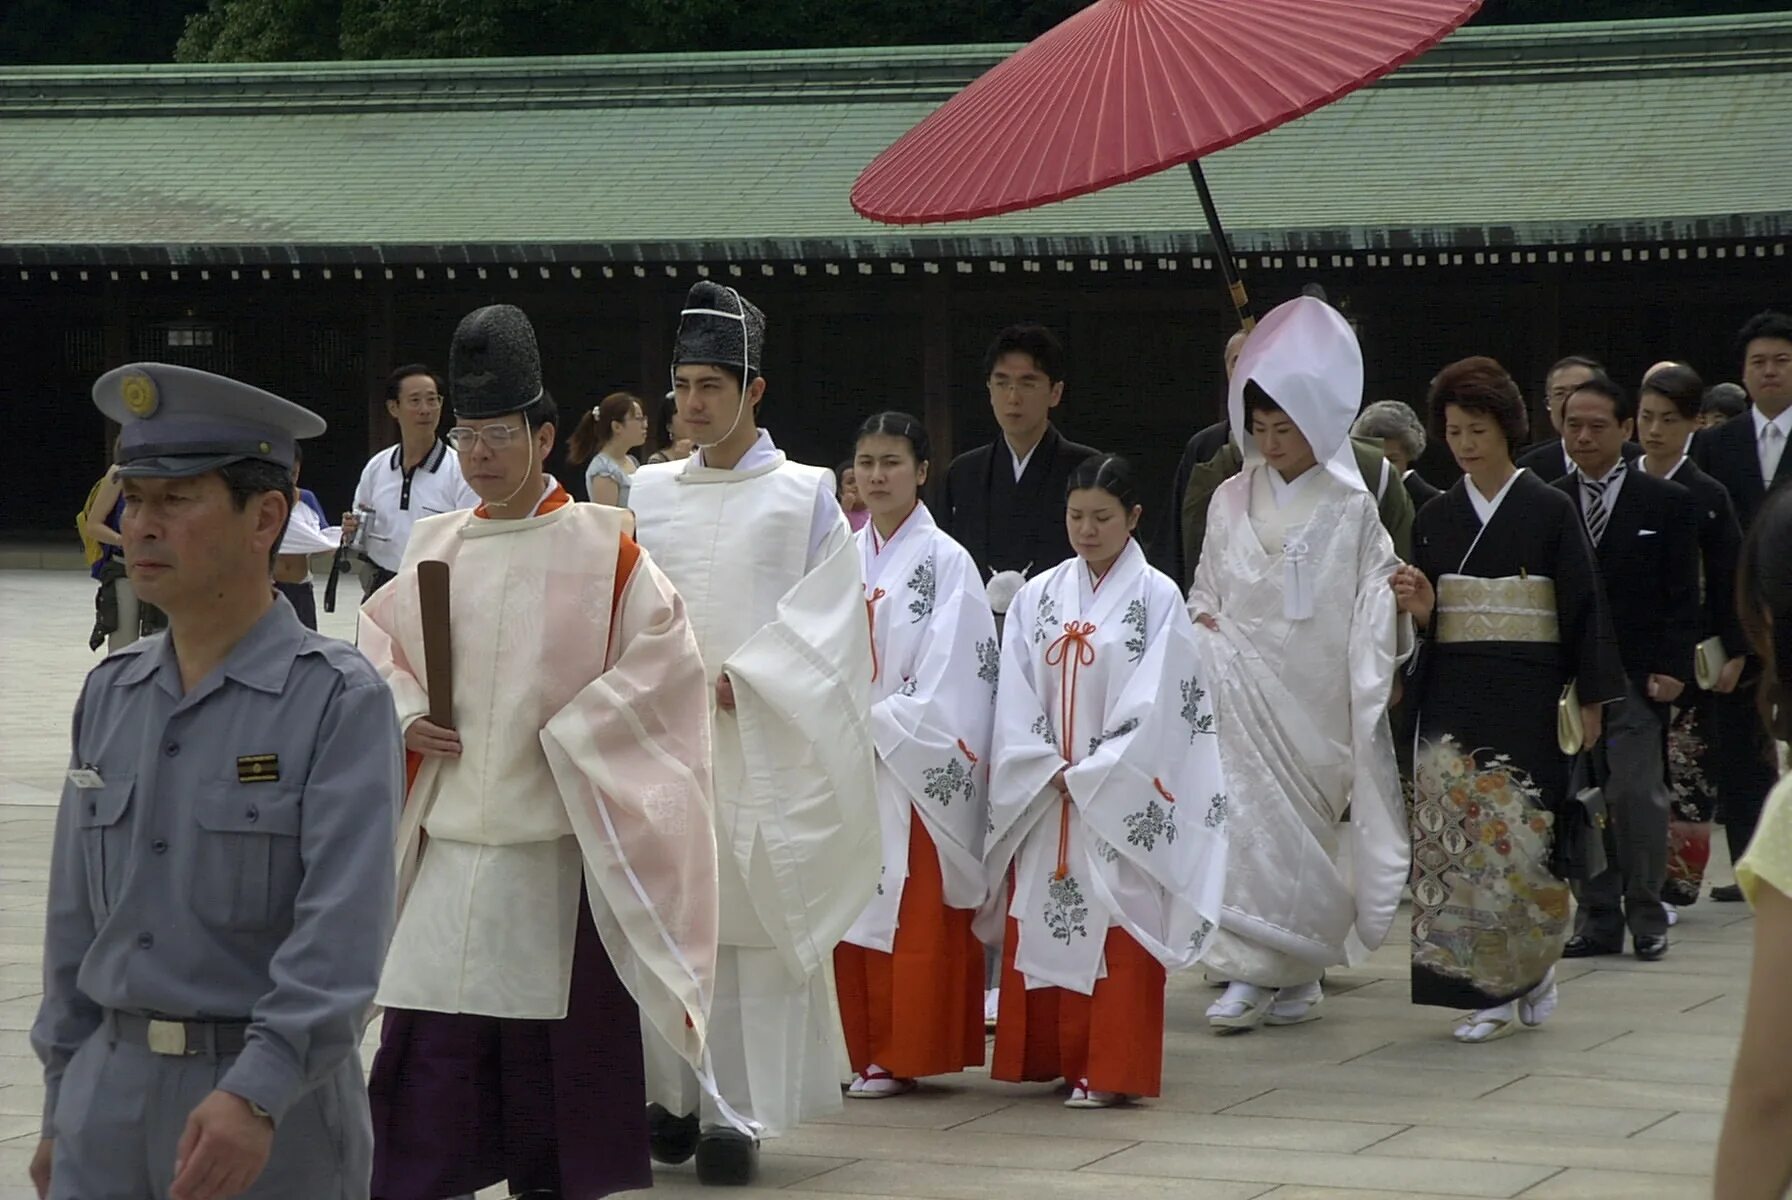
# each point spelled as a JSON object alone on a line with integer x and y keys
{"x": 1577, "y": 851}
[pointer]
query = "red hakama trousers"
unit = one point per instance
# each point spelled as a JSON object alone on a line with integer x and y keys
{"x": 1113, "y": 1038}
{"x": 919, "y": 1009}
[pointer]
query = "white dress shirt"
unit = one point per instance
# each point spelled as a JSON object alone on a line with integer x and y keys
{"x": 1771, "y": 447}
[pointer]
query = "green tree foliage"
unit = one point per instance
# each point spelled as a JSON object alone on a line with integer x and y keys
{"x": 91, "y": 31}
{"x": 263, "y": 31}
{"x": 78, "y": 31}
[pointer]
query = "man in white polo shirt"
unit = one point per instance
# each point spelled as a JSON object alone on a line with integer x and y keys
{"x": 417, "y": 478}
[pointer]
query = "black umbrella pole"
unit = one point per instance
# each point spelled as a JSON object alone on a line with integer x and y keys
{"x": 1228, "y": 268}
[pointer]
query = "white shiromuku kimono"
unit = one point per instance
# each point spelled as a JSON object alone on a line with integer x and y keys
{"x": 1296, "y": 576}
{"x": 584, "y": 760}
{"x": 765, "y": 562}
{"x": 1099, "y": 680}
{"x": 932, "y": 704}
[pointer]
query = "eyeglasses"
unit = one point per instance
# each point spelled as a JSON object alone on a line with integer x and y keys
{"x": 496, "y": 437}
{"x": 1024, "y": 387}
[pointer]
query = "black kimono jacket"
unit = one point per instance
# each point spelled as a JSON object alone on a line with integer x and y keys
{"x": 1009, "y": 524}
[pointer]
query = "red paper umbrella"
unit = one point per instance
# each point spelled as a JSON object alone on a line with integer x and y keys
{"x": 1126, "y": 88}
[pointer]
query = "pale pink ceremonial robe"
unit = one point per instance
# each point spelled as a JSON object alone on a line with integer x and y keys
{"x": 585, "y": 759}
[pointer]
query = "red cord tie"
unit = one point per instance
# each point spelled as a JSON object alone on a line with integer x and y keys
{"x": 1162, "y": 790}
{"x": 871, "y": 620}
{"x": 1069, "y": 653}
{"x": 967, "y": 752}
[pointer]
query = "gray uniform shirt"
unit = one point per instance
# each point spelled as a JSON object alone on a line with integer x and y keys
{"x": 230, "y": 856}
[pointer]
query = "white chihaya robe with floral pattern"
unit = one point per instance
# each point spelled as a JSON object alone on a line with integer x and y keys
{"x": 1099, "y": 680}
{"x": 933, "y": 693}
{"x": 1301, "y": 706}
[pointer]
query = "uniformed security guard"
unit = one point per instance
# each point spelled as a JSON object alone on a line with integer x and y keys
{"x": 221, "y": 891}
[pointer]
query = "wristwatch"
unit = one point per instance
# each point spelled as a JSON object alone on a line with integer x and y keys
{"x": 256, "y": 1110}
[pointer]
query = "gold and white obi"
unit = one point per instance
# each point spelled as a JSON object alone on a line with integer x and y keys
{"x": 1517, "y": 608}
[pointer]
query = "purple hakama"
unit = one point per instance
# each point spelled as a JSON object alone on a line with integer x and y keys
{"x": 461, "y": 1101}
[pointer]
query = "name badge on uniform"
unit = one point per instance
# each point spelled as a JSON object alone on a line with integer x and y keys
{"x": 258, "y": 768}
{"x": 86, "y": 778}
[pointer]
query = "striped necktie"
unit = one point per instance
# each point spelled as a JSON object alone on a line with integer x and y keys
{"x": 1593, "y": 490}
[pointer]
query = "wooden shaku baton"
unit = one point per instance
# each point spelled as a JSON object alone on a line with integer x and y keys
{"x": 438, "y": 660}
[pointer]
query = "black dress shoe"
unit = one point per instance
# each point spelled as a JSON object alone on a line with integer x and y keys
{"x": 1727, "y": 894}
{"x": 1651, "y": 946}
{"x": 726, "y": 1158}
{"x": 1581, "y": 946}
{"x": 537, "y": 1194}
{"x": 670, "y": 1140}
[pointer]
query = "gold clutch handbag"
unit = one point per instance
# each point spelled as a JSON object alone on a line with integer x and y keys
{"x": 1571, "y": 732}
{"x": 1708, "y": 662}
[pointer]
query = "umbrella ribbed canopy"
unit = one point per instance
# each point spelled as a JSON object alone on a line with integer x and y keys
{"x": 1128, "y": 87}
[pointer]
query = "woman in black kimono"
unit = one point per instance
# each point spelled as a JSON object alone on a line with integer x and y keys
{"x": 1506, "y": 591}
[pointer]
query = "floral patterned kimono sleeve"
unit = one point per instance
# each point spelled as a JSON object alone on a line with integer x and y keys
{"x": 933, "y": 731}
{"x": 1024, "y": 753}
{"x": 1151, "y": 790}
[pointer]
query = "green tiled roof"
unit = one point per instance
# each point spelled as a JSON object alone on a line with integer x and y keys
{"x": 1644, "y": 131}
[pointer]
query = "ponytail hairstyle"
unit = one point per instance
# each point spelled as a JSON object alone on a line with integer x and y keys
{"x": 1108, "y": 473}
{"x": 1764, "y": 602}
{"x": 598, "y": 425}
{"x": 896, "y": 424}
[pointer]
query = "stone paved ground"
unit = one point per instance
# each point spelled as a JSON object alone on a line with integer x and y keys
{"x": 1619, "y": 1096}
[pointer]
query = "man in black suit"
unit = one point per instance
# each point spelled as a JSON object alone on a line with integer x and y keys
{"x": 1645, "y": 536}
{"x": 1747, "y": 454}
{"x": 1004, "y": 502}
{"x": 1550, "y": 460}
{"x": 1668, "y": 411}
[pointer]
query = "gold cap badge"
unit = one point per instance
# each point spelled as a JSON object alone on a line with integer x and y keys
{"x": 138, "y": 391}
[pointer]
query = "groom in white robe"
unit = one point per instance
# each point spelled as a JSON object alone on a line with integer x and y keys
{"x": 1299, "y": 633}
{"x": 763, "y": 556}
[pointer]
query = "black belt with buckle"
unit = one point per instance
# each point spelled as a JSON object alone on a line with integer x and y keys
{"x": 179, "y": 1039}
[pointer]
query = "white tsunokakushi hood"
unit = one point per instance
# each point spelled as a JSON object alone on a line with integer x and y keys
{"x": 1306, "y": 356}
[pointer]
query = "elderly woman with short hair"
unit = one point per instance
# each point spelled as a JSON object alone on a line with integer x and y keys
{"x": 1402, "y": 438}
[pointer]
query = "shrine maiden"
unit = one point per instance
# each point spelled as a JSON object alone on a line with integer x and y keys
{"x": 910, "y": 972}
{"x": 1298, "y": 631}
{"x": 1107, "y": 812}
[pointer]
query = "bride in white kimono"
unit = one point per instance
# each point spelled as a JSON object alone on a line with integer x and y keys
{"x": 1299, "y": 631}
{"x": 1107, "y": 816}
{"x": 909, "y": 972}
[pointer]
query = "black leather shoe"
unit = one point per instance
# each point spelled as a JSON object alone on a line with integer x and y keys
{"x": 537, "y": 1194}
{"x": 670, "y": 1140}
{"x": 1580, "y": 946}
{"x": 1651, "y": 947}
{"x": 1727, "y": 894}
{"x": 726, "y": 1158}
